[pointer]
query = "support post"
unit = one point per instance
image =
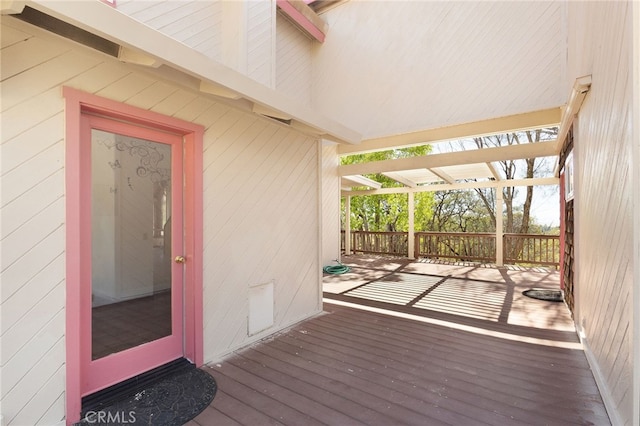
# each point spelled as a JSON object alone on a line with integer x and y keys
{"x": 499, "y": 227}
{"x": 347, "y": 225}
{"x": 411, "y": 235}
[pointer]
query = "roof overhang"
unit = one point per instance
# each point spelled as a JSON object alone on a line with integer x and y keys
{"x": 143, "y": 46}
{"x": 467, "y": 169}
{"x": 304, "y": 17}
{"x": 578, "y": 92}
{"x": 518, "y": 122}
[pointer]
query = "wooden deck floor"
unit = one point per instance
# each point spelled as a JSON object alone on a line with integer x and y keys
{"x": 406, "y": 343}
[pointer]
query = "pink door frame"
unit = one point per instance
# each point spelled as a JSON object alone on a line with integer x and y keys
{"x": 101, "y": 373}
{"x": 77, "y": 173}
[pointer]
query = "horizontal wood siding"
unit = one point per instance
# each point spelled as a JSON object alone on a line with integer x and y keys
{"x": 418, "y": 65}
{"x": 293, "y": 61}
{"x": 600, "y": 45}
{"x": 196, "y": 23}
{"x": 261, "y": 210}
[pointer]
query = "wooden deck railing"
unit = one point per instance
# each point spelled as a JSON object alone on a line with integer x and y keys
{"x": 394, "y": 243}
{"x": 532, "y": 249}
{"x": 460, "y": 246}
{"x": 520, "y": 249}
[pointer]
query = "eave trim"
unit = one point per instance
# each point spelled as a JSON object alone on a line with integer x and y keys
{"x": 104, "y": 21}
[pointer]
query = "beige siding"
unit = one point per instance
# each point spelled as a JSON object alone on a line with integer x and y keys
{"x": 261, "y": 41}
{"x": 330, "y": 205}
{"x": 196, "y": 23}
{"x": 635, "y": 8}
{"x": 32, "y": 206}
{"x": 600, "y": 45}
{"x": 260, "y": 198}
{"x": 293, "y": 61}
{"x": 199, "y": 24}
{"x": 261, "y": 211}
{"x": 418, "y": 65}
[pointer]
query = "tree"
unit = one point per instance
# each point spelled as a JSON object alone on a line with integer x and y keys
{"x": 512, "y": 169}
{"x": 475, "y": 210}
{"x": 454, "y": 211}
{"x": 458, "y": 211}
{"x": 386, "y": 212}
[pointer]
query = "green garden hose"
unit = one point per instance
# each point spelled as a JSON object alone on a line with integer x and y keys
{"x": 336, "y": 269}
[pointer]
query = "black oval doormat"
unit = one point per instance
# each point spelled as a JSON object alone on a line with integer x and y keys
{"x": 172, "y": 401}
{"x": 544, "y": 294}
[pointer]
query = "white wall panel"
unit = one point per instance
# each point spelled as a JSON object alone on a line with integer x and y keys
{"x": 293, "y": 61}
{"x": 265, "y": 180}
{"x": 195, "y": 23}
{"x": 261, "y": 41}
{"x": 600, "y": 45}
{"x": 261, "y": 215}
{"x": 32, "y": 240}
{"x": 395, "y": 67}
{"x": 330, "y": 205}
{"x": 199, "y": 24}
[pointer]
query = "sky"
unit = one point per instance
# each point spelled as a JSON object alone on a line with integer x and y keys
{"x": 545, "y": 206}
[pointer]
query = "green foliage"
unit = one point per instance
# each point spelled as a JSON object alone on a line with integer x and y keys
{"x": 424, "y": 203}
{"x": 454, "y": 211}
{"x": 387, "y": 212}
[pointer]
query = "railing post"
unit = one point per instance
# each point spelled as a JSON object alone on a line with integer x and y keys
{"x": 347, "y": 225}
{"x": 499, "y": 228}
{"x": 410, "y": 236}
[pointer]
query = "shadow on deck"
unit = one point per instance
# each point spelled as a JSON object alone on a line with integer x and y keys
{"x": 404, "y": 342}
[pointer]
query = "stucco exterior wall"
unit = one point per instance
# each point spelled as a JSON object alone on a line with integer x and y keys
{"x": 600, "y": 44}
{"x": 261, "y": 211}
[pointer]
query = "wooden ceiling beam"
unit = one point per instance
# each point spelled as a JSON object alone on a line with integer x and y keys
{"x": 484, "y": 155}
{"x": 494, "y": 172}
{"x": 536, "y": 119}
{"x": 442, "y": 175}
{"x": 401, "y": 179}
{"x": 358, "y": 180}
{"x": 461, "y": 185}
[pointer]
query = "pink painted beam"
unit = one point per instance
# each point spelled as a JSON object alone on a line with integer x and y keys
{"x": 306, "y": 23}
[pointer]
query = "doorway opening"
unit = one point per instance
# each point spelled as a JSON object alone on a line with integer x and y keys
{"x": 134, "y": 244}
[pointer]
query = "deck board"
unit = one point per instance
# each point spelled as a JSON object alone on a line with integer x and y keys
{"x": 375, "y": 361}
{"x": 320, "y": 387}
{"x": 287, "y": 390}
{"x": 242, "y": 413}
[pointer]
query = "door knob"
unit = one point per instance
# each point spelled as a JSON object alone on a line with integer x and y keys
{"x": 180, "y": 259}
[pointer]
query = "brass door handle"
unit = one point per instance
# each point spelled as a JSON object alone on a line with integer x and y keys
{"x": 180, "y": 259}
